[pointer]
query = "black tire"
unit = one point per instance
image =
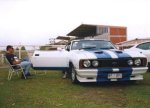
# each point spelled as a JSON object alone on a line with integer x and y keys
{"x": 74, "y": 76}
{"x": 148, "y": 67}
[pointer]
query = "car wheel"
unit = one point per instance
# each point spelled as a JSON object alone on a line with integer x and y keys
{"x": 73, "y": 76}
{"x": 148, "y": 67}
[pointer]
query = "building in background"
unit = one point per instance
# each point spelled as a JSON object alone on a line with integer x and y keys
{"x": 115, "y": 34}
{"x": 57, "y": 43}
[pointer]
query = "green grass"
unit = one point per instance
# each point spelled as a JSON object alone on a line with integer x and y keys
{"x": 51, "y": 91}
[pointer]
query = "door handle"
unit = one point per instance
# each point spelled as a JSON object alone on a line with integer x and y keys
{"x": 37, "y": 54}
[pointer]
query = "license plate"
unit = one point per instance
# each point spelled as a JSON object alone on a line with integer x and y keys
{"x": 114, "y": 75}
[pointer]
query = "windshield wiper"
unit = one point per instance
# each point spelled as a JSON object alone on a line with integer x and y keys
{"x": 107, "y": 48}
{"x": 88, "y": 48}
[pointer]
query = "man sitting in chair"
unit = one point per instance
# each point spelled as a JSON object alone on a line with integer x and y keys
{"x": 13, "y": 60}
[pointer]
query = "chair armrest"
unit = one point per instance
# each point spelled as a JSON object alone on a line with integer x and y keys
{"x": 16, "y": 65}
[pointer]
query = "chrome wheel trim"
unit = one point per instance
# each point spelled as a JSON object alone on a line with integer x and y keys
{"x": 73, "y": 74}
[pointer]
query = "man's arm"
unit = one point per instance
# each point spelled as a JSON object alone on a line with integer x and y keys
{"x": 13, "y": 59}
{"x": 16, "y": 62}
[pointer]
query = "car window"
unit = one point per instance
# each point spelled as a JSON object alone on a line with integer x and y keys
{"x": 144, "y": 46}
{"x": 92, "y": 44}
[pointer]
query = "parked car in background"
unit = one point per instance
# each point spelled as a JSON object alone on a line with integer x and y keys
{"x": 93, "y": 61}
{"x": 143, "y": 48}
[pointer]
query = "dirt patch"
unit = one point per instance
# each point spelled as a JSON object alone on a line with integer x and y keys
{"x": 40, "y": 101}
{"x": 114, "y": 95}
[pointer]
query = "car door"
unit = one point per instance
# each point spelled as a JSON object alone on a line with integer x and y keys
{"x": 53, "y": 60}
{"x": 144, "y": 48}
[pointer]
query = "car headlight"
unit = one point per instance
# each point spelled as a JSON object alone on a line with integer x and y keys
{"x": 95, "y": 63}
{"x": 130, "y": 62}
{"x": 137, "y": 62}
{"x": 86, "y": 63}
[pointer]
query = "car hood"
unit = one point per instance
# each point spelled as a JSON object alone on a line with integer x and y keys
{"x": 108, "y": 54}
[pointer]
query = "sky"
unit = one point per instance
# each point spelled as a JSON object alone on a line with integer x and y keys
{"x": 34, "y": 22}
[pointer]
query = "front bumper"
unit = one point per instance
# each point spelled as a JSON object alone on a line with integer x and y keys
{"x": 101, "y": 74}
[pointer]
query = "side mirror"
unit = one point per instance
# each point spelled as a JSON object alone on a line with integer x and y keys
{"x": 67, "y": 48}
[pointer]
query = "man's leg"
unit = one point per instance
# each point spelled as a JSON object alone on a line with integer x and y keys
{"x": 25, "y": 59}
{"x": 65, "y": 74}
{"x": 26, "y": 66}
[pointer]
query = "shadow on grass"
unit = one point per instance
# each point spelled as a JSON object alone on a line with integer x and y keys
{"x": 112, "y": 84}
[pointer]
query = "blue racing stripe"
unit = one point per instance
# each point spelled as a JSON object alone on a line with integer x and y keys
{"x": 102, "y": 54}
{"x": 121, "y": 54}
{"x": 101, "y": 75}
{"x": 126, "y": 72}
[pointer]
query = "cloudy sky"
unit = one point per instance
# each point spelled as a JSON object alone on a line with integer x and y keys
{"x": 36, "y": 21}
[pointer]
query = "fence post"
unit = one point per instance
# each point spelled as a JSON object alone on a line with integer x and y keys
{"x": 2, "y": 58}
{"x": 20, "y": 52}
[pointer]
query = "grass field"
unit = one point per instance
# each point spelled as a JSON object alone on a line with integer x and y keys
{"x": 51, "y": 91}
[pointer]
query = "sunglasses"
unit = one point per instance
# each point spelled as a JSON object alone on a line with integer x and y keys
{"x": 12, "y": 48}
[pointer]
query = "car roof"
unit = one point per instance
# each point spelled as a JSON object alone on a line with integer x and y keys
{"x": 141, "y": 43}
{"x": 90, "y": 39}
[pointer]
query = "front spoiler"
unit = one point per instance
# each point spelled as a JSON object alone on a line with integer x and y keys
{"x": 101, "y": 74}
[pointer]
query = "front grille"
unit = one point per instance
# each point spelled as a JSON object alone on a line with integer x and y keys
{"x": 114, "y": 63}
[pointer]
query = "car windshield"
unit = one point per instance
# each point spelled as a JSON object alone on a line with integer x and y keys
{"x": 92, "y": 44}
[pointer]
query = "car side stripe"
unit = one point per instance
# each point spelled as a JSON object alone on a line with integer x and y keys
{"x": 50, "y": 68}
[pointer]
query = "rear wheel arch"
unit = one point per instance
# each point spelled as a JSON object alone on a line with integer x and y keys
{"x": 70, "y": 64}
{"x": 148, "y": 67}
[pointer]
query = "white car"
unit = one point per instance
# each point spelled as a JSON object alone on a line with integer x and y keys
{"x": 93, "y": 61}
{"x": 143, "y": 48}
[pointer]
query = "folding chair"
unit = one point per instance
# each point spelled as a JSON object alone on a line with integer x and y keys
{"x": 14, "y": 69}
